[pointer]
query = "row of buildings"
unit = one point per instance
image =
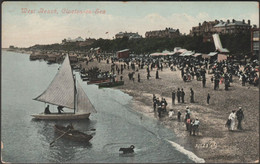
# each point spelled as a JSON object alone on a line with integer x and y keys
{"x": 167, "y": 33}
{"x": 220, "y": 27}
{"x": 205, "y": 29}
{"x": 78, "y": 41}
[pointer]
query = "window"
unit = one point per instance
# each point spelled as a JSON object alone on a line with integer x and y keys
{"x": 256, "y": 46}
{"x": 256, "y": 34}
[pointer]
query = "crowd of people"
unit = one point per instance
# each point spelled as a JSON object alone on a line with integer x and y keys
{"x": 191, "y": 69}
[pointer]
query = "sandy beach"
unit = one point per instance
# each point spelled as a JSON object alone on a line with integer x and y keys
{"x": 214, "y": 143}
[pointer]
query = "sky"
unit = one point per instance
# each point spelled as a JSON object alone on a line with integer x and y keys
{"x": 24, "y": 25}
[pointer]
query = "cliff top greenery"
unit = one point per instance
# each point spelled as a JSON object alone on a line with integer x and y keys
{"x": 237, "y": 44}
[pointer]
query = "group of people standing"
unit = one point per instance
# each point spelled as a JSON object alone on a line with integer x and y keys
{"x": 181, "y": 94}
{"x": 232, "y": 117}
{"x": 159, "y": 105}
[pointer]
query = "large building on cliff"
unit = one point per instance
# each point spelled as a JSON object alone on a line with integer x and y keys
{"x": 129, "y": 35}
{"x": 167, "y": 33}
{"x": 206, "y": 29}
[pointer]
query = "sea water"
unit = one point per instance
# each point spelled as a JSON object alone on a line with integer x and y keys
{"x": 115, "y": 124}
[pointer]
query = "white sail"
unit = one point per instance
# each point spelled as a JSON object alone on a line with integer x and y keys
{"x": 83, "y": 103}
{"x": 62, "y": 88}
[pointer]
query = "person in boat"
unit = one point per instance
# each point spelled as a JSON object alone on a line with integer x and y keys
{"x": 47, "y": 110}
{"x": 70, "y": 126}
{"x": 60, "y": 108}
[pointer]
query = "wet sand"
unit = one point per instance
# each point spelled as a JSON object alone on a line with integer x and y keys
{"x": 214, "y": 143}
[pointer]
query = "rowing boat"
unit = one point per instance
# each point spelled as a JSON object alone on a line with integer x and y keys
{"x": 72, "y": 134}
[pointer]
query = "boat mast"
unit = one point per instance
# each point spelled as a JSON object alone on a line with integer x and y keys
{"x": 75, "y": 94}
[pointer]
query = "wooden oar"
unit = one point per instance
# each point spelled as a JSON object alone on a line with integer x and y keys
{"x": 59, "y": 137}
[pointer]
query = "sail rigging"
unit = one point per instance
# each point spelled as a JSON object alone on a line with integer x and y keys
{"x": 61, "y": 89}
{"x": 83, "y": 103}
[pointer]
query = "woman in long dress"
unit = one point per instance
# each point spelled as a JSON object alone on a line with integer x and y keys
{"x": 232, "y": 117}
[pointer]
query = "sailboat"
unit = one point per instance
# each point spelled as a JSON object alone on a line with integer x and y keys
{"x": 66, "y": 92}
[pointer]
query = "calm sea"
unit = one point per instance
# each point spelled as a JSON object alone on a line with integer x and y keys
{"x": 117, "y": 125}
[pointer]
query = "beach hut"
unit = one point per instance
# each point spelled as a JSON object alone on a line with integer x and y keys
{"x": 123, "y": 53}
{"x": 73, "y": 58}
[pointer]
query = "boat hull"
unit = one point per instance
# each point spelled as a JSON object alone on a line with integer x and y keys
{"x": 62, "y": 116}
{"x": 98, "y": 81}
{"x": 110, "y": 84}
{"x": 72, "y": 134}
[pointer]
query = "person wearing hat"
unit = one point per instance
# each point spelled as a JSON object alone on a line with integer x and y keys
{"x": 191, "y": 95}
{"x": 195, "y": 126}
{"x": 173, "y": 97}
{"x": 188, "y": 109}
{"x": 179, "y": 95}
{"x": 179, "y": 115}
{"x": 47, "y": 110}
{"x": 232, "y": 117}
{"x": 182, "y": 95}
{"x": 240, "y": 117}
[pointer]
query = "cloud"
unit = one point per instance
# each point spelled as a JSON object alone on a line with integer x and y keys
{"x": 27, "y": 30}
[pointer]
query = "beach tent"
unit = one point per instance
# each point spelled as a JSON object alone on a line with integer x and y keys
{"x": 222, "y": 57}
{"x": 181, "y": 50}
{"x": 167, "y": 53}
{"x": 187, "y": 53}
{"x": 212, "y": 54}
{"x": 176, "y": 49}
{"x": 205, "y": 56}
{"x": 155, "y": 54}
{"x": 197, "y": 54}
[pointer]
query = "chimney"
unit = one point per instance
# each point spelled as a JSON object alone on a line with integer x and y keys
{"x": 243, "y": 21}
{"x": 199, "y": 24}
{"x": 248, "y": 22}
{"x": 228, "y": 21}
{"x": 233, "y": 20}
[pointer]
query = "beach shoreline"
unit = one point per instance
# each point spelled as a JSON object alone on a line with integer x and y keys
{"x": 214, "y": 142}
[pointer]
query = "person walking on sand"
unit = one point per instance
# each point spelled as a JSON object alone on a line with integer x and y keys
{"x": 232, "y": 117}
{"x": 240, "y": 117}
{"x": 195, "y": 126}
{"x": 191, "y": 96}
{"x": 182, "y": 95}
{"x": 173, "y": 97}
{"x": 208, "y": 97}
{"x": 179, "y": 115}
{"x": 203, "y": 81}
{"x": 154, "y": 97}
{"x": 159, "y": 110}
{"x": 154, "y": 105}
{"x": 179, "y": 95}
{"x": 157, "y": 74}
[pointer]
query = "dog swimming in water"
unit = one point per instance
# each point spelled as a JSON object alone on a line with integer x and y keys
{"x": 127, "y": 150}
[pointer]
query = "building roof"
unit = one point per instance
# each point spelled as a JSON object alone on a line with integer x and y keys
{"x": 197, "y": 54}
{"x": 181, "y": 50}
{"x": 187, "y": 53}
{"x": 123, "y": 50}
{"x": 235, "y": 23}
{"x": 212, "y": 53}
